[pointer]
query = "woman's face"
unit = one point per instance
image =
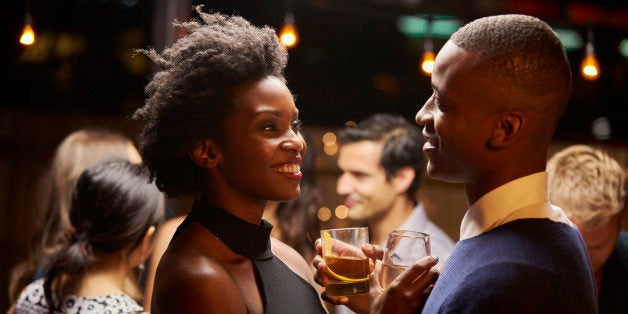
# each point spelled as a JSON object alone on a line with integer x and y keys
{"x": 263, "y": 148}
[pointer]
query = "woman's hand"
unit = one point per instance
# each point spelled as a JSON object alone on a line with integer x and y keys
{"x": 358, "y": 303}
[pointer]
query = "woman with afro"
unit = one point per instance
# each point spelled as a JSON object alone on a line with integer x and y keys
{"x": 221, "y": 125}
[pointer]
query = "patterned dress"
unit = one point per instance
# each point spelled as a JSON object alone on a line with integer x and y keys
{"x": 32, "y": 300}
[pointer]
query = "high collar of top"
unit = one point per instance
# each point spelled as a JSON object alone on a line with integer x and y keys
{"x": 243, "y": 237}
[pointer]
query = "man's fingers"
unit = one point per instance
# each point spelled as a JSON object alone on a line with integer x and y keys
{"x": 409, "y": 290}
{"x": 415, "y": 276}
{"x": 375, "y": 275}
{"x": 338, "y": 300}
{"x": 373, "y": 251}
{"x": 424, "y": 287}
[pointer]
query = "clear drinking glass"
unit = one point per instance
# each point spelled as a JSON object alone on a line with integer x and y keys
{"x": 403, "y": 248}
{"x": 347, "y": 266}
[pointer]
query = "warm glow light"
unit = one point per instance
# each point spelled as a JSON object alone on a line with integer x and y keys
{"x": 341, "y": 211}
{"x": 330, "y": 150}
{"x": 28, "y": 35}
{"x": 330, "y": 147}
{"x": 324, "y": 213}
{"x": 288, "y": 36}
{"x": 427, "y": 64}
{"x": 590, "y": 67}
{"x": 329, "y": 139}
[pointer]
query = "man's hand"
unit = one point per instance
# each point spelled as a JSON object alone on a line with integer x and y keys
{"x": 405, "y": 294}
{"x": 408, "y": 292}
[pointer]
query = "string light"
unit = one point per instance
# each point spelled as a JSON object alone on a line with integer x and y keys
{"x": 288, "y": 35}
{"x": 590, "y": 67}
{"x": 427, "y": 62}
{"x": 28, "y": 34}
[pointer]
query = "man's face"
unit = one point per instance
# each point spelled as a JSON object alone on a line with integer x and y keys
{"x": 363, "y": 183}
{"x": 457, "y": 119}
{"x": 600, "y": 240}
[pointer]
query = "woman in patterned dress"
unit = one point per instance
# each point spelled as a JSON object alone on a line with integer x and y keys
{"x": 114, "y": 214}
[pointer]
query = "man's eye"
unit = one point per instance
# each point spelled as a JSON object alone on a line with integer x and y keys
{"x": 297, "y": 125}
{"x": 439, "y": 105}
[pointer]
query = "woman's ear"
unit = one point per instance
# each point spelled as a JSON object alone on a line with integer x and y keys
{"x": 148, "y": 241}
{"x": 140, "y": 253}
{"x": 507, "y": 130}
{"x": 204, "y": 154}
{"x": 146, "y": 246}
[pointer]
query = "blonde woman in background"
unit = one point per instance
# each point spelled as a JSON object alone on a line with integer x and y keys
{"x": 76, "y": 152}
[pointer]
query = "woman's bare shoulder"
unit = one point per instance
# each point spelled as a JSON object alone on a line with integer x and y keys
{"x": 190, "y": 279}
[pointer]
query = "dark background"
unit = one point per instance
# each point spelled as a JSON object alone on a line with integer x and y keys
{"x": 345, "y": 45}
{"x": 350, "y": 62}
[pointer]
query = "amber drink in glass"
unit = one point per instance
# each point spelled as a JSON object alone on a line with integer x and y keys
{"x": 347, "y": 266}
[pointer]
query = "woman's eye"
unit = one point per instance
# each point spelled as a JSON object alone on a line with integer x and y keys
{"x": 297, "y": 125}
{"x": 269, "y": 127}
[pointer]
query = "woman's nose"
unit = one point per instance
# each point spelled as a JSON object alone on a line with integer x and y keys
{"x": 295, "y": 142}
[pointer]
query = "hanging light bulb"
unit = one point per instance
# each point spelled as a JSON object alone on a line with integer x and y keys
{"x": 590, "y": 67}
{"x": 28, "y": 34}
{"x": 288, "y": 35}
{"x": 427, "y": 62}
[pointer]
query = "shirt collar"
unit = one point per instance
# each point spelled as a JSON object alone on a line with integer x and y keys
{"x": 417, "y": 220}
{"x": 526, "y": 197}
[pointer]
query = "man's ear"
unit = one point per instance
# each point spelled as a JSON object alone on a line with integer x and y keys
{"x": 403, "y": 179}
{"x": 204, "y": 154}
{"x": 508, "y": 128}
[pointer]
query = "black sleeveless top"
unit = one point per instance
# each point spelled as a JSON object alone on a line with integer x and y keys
{"x": 283, "y": 291}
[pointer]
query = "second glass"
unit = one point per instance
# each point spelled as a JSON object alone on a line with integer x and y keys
{"x": 403, "y": 248}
